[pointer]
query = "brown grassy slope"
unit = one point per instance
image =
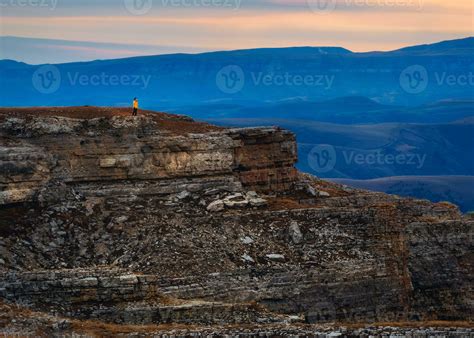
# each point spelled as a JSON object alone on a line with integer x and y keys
{"x": 177, "y": 124}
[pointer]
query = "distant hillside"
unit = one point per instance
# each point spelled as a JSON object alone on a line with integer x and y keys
{"x": 454, "y": 189}
{"x": 260, "y": 75}
{"x": 378, "y": 150}
{"x": 460, "y": 46}
{"x": 39, "y": 51}
{"x": 345, "y": 110}
{"x": 287, "y": 51}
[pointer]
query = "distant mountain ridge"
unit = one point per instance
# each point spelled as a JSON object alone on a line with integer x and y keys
{"x": 415, "y": 102}
{"x": 343, "y": 110}
{"x": 459, "y": 46}
{"x": 43, "y": 50}
{"x": 309, "y": 50}
{"x": 264, "y": 75}
{"x": 463, "y": 44}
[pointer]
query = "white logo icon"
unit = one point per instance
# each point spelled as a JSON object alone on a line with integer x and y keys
{"x": 230, "y": 79}
{"x": 322, "y": 158}
{"x": 414, "y": 79}
{"x": 322, "y": 6}
{"x": 46, "y": 79}
{"x": 138, "y": 7}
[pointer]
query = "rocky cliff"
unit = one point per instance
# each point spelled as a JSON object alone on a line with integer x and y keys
{"x": 160, "y": 219}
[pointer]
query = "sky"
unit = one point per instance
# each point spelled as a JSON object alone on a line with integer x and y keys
{"x": 121, "y": 28}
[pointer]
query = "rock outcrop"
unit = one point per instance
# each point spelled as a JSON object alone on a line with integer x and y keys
{"x": 159, "y": 219}
{"x": 38, "y": 151}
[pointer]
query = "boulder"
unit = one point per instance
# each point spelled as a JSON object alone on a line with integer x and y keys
{"x": 216, "y": 206}
{"x": 275, "y": 257}
{"x": 324, "y": 194}
{"x": 295, "y": 233}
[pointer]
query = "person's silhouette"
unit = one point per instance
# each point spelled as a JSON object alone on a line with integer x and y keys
{"x": 135, "y": 107}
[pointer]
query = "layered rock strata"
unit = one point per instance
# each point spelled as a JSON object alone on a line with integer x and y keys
{"x": 126, "y": 220}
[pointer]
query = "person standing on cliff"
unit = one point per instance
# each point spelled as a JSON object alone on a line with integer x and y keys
{"x": 135, "y": 107}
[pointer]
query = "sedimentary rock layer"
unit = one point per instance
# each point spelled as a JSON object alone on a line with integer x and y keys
{"x": 39, "y": 150}
{"x": 123, "y": 219}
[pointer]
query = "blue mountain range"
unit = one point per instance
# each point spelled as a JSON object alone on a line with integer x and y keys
{"x": 375, "y": 115}
{"x": 410, "y": 76}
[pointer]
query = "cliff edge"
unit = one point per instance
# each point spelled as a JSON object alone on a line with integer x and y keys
{"x": 159, "y": 219}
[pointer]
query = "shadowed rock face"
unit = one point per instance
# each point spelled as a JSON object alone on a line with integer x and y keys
{"x": 129, "y": 221}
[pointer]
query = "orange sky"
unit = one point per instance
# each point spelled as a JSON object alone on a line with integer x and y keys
{"x": 359, "y": 25}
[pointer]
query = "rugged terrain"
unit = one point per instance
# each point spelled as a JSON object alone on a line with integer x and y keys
{"x": 158, "y": 224}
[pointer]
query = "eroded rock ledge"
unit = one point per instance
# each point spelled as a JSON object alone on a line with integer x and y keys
{"x": 38, "y": 150}
{"x": 159, "y": 219}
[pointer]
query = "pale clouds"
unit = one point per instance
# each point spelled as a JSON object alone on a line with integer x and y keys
{"x": 359, "y": 25}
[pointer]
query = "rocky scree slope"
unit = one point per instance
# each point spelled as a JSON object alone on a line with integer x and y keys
{"x": 159, "y": 219}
